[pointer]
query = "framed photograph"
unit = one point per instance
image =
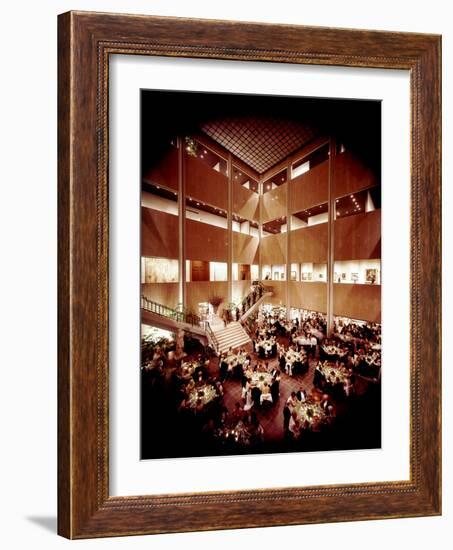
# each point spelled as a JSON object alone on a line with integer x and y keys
{"x": 193, "y": 156}
{"x": 371, "y": 276}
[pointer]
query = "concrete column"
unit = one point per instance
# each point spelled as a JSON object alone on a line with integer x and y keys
{"x": 260, "y": 227}
{"x": 330, "y": 239}
{"x": 230, "y": 228}
{"x": 288, "y": 229}
{"x": 181, "y": 223}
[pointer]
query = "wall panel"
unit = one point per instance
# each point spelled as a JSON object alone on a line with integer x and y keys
{"x": 357, "y": 301}
{"x": 358, "y": 237}
{"x": 159, "y": 234}
{"x": 240, "y": 290}
{"x": 162, "y": 293}
{"x": 245, "y": 202}
{"x": 279, "y": 290}
{"x": 309, "y": 244}
{"x": 311, "y": 296}
{"x": 310, "y": 188}
{"x": 201, "y": 292}
{"x": 245, "y": 248}
{"x": 165, "y": 172}
{"x": 273, "y": 249}
{"x": 273, "y": 203}
{"x": 205, "y": 184}
{"x": 351, "y": 175}
{"x": 206, "y": 242}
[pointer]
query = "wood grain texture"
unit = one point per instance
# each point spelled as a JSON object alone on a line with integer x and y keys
{"x": 85, "y": 42}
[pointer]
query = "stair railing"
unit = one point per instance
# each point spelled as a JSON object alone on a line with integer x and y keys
{"x": 170, "y": 313}
{"x": 211, "y": 335}
{"x": 253, "y": 296}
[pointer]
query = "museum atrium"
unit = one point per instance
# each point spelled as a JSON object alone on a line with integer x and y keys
{"x": 252, "y": 219}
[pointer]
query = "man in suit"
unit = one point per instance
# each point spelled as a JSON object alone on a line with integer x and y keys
{"x": 256, "y": 396}
{"x": 275, "y": 387}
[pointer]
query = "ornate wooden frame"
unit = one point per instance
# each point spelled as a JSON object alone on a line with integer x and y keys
{"x": 85, "y": 41}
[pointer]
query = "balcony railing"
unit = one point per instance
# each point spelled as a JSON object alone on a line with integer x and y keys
{"x": 165, "y": 311}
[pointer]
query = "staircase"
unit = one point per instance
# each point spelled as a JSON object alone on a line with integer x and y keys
{"x": 233, "y": 336}
{"x": 254, "y": 299}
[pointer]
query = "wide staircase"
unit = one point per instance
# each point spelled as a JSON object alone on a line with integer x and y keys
{"x": 231, "y": 336}
{"x": 212, "y": 332}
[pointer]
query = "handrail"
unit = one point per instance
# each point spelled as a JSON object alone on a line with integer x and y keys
{"x": 211, "y": 335}
{"x": 253, "y": 296}
{"x": 165, "y": 311}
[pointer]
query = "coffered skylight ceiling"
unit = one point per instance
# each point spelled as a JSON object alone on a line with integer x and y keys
{"x": 259, "y": 141}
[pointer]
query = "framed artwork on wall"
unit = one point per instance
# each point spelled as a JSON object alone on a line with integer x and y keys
{"x": 162, "y": 204}
{"x": 371, "y": 276}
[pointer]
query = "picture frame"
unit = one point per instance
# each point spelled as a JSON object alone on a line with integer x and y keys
{"x": 371, "y": 276}
{"x": 86, "y": 41}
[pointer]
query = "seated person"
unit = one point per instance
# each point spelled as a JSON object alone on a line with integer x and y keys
{"x": 266, "y": 394}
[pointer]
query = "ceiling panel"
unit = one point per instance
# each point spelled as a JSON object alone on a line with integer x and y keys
{"x": 260, "y": 142}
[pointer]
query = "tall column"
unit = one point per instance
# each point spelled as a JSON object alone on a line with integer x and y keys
{"x": 181, "y": 223}
{"x": 230, "y": 229}
{"x": 288, "y": 229}
{"x": 330, "y": 237}
{"x": 260, "y": 227}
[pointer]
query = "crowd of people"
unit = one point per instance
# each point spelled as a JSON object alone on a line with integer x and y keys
{"x": 348, "y": 330}
{"x": 281, "y": 348}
